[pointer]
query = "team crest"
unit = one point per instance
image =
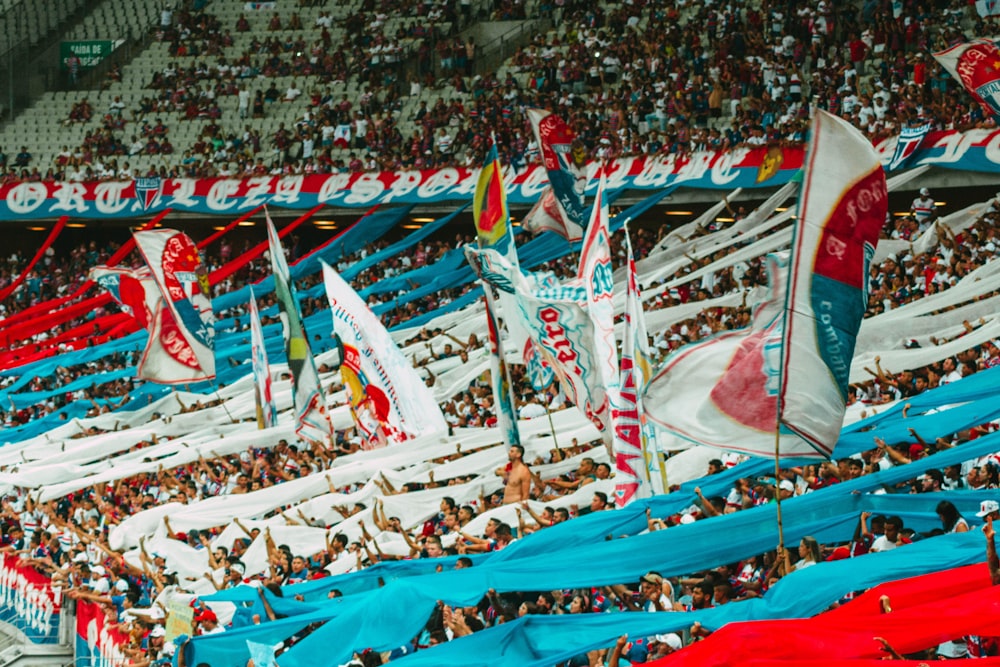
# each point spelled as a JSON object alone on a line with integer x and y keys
{"x": 147, "y": 191}
{"x": 771, "y": 164}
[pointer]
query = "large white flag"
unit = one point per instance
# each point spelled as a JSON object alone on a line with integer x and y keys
{"x": 792, "y": 364}
{"x": 638, "y": 463}
{"x": 267, "y": 411}
{"x": 397, "y": 397}
{"x": 597, "y": 274}
{"x": 571, "y": 324}
{"x": 722, "y": 391}
{"x": 842, "y": 209}
{"x": 187, "y": 337}
{"x": 311, "y": 414}
{"x": 561, "y": 329}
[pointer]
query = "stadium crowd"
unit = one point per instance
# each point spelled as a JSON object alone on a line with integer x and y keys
{"x": 744, "y": 79}
{"x": 634, "y": 79}
{"x": 69, "y": 537}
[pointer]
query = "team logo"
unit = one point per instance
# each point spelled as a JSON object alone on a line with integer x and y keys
{"x": 906, "y": 145}
{"x": 147, "y": 191}
{"x": 771, "y": 164}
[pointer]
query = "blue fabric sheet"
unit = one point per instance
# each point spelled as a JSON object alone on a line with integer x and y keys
{"x": 388, "y": 617}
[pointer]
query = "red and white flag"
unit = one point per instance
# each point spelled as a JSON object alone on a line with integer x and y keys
{"x": 842, "y": 209}
{"x": 723, "y": 390}
{"x": 187, "y": 336}
{"x": 561, "y": 208}
{"x": 640, "y": 473}
{"x": 975, "y": 65}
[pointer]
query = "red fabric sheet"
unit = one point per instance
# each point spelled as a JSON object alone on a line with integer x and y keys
{"x": 926, "y": 611}
{"x": 253, "y": 253}
{"x": 60, "y": 224}
{"x": 28, "y": 315}
{"x": 872, "y": 662}
{"x": 55, "y": 312}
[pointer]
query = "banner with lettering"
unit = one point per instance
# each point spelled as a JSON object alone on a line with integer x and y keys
{"x": 28, "y": 602}
{"x": 400, "y": 402}
{"x": 562, "y": 329}
{"x": 744, "y": 167}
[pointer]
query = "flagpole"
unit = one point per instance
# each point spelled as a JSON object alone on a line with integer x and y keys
{"x": 777, "y": 487}
{"x": 552, "y": 426}
{"x": 222, "y": 402}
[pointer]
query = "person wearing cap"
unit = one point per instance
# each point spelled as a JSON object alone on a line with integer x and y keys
{"x": 989, "y": 510}
{"x": 207, "y": 623}
{"x": 664, "y": 644}
{"x": 922, "y": 209}
{"x": 152, "y": 642}
{"x": 651, "y": 596}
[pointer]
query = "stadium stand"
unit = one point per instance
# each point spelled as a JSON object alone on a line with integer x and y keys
{"x": 632, "y": 78}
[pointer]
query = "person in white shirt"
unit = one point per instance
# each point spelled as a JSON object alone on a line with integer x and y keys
{"x": 923, "y": 208}
{"x": 292, "y": 93}
{"x": 244, "y": 97}
{"x": 443, "y": 142}
{"x": 950, "y": 371}
{"x": 892, "y": 537}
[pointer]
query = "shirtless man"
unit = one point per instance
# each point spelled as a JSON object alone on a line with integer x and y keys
{"x": 517, "y": 477}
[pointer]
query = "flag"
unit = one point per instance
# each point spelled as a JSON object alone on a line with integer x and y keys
{"x": 792, "y": 363}
{"x": 596, "y": 272}
{"x": 842, "y": 208}
{"x": 722, "y": 391}
{"x": 134, "y": 291}
{"x": 570, "y": 324}
{"x": 492, "y": 218}
{"x": 560, "y": 327}
{"x": 307, "y": 394}
{"x": 493, "y": 230}
{"x": 188, "y": 335}
{"x": 546, "y": 216}
{"x": 988, "y": 7}
{"x": 391, "y": 399}
{"x": 137, "y": 295}
{"x": 489, "y": 208}
{"x": 636, "y": 459}
{"x": 267, "y": 411}
{"x": 974, "y": 65}
{"x": 540, "y": 373}
{"x": 562, "y": 209}
{"x": 907, "y": 143}
{"x": 503, "y": 397}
